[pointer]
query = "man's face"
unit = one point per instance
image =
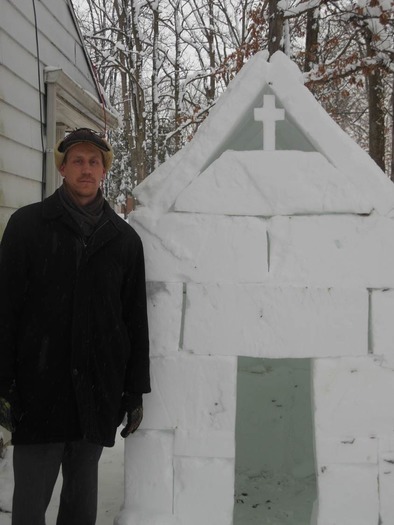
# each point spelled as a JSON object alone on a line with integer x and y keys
{"x": 83, "y": 171}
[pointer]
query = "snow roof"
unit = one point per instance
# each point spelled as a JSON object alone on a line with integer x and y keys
{"x": 339, "y": 177}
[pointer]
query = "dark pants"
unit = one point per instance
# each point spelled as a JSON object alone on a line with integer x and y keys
{"x": 36, "y": 468}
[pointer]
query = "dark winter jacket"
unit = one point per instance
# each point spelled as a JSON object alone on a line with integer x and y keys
{"x": 73, "y": 325}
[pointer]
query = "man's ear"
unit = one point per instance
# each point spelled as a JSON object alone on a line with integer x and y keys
{"x": 61, "y": 170}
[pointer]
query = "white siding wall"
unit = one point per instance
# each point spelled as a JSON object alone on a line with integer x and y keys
{"x": 21, "y": 154}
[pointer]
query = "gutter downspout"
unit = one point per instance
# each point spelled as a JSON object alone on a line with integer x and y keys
{"x": 50, "y": 183}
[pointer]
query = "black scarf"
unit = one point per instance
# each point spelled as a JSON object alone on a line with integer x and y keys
{"x": 87, "y": 217}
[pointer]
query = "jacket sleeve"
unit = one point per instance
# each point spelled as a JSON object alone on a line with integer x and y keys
{"x": 13, "y": 285}
{"x": 137, "y": 379}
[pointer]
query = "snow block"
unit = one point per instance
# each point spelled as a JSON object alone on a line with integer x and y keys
{"x": 268, "y": 183}
{"x": 382, "y": 308}
{"x": 264, "y": 321}
{"x": 6, "y": 479}
{"x": 204, "y": 444}
{"x": 386, "y": 487}
{"x": 149, "y": 472}
{"x": 164, "y": 315}
{"x": 207, "y": 386}
{"x": 386, "y": 443}
{"x": 132, "y": 517}
{"x": 332, "y": 251}
{"x": 348, "y": 495}
{"x": 204, "y": 491}
{"x": 203, "y": 248}
{"x": 345, "y": 450}
{"x": 352, "y": 398}
{"x": 158, "y": 413}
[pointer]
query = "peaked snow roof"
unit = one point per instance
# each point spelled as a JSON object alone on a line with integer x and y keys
{"x": 267, "y": 183}
{"x": 307, "y": 128}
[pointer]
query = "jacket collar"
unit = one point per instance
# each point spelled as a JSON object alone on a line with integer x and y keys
{"x": 53, "y": 209}
{"x": 108, "y": 228}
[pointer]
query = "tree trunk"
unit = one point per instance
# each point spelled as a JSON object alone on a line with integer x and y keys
{"x": 377, "y": 139}
{"x": 392, "y": 131}
{"x": 311, "y": 39}
{"x": 177, "y": 81}
{"x": 127, "y": 116}
{"x": 138, "y": 100}
{"x": 275, "y": 31}
{"x": 211, "y": 88}
{"x": 155, "y": 93}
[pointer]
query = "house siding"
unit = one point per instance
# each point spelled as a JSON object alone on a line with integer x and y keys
{"x": 21, "y": 150}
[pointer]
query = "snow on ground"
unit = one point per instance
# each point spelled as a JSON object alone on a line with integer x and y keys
{"x": 111, "y": 487}
{"x": 272, "y": 499}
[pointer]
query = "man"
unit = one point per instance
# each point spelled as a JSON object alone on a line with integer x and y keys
{"x": 73, "y": 335}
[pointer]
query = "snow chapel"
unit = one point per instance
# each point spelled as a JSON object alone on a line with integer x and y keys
{"x": 269, "y": 246}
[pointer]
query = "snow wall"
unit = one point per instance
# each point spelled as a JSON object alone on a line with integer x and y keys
{"x": 282, "y": 254}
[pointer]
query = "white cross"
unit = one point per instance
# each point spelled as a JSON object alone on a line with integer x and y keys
{"x": 268, "y": 115}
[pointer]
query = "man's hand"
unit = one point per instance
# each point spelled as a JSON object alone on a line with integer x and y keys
{"x": 10, "y": 409}
{"x": 131, "y": 406}
{"x": 7, "y": 420}
{"x": 134, "y": 418}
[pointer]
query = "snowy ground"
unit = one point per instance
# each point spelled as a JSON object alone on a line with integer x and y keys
{"x": 269, "y": 499}
{"x": 111, "y": 491}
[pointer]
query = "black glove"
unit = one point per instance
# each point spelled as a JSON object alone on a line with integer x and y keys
{"x": 134, "y": 419}
{"x": 132, "y": 406}
{"x": 10, "y": 413}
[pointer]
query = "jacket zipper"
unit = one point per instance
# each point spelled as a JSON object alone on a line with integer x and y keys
{"x": 85, "y": 243}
